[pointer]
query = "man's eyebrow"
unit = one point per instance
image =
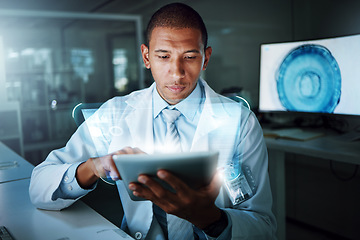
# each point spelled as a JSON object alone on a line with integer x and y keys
{"x": 192, "y": 51}
{"x": 166, "y": 51}
{"x": 161, "y": 51}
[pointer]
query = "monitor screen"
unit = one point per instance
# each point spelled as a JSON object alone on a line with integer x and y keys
{"x": 318, "y": 76}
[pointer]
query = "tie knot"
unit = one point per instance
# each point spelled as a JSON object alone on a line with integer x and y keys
{"x": 170, "y": 115}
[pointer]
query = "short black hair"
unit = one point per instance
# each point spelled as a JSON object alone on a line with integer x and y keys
{"x": 177, "y": 15}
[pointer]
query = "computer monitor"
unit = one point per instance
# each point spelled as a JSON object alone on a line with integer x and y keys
{"x": 315, "y": 76}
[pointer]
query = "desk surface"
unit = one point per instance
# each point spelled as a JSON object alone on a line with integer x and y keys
{"x": 24, "y": 221}
{"x": 19, "y": 170}
{"x": 327, "y": 147}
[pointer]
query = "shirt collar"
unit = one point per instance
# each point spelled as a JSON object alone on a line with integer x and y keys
{"x": 188, "y": 107}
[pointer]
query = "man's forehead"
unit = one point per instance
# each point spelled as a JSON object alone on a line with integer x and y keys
{"x": 168, "y": 36}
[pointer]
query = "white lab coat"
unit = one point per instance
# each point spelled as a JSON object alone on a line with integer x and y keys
{"x": 127, "y": 121}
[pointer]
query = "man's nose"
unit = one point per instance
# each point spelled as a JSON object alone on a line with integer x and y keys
{"x": 177, "y": 68}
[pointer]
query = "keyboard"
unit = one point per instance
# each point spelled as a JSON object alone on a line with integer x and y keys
{"x": 4, "y": 234}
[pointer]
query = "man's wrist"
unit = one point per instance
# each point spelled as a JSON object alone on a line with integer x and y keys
{"x": 217, "y": 227}
{"x": 206, "y": 217}
{"x": 85, "y": 174}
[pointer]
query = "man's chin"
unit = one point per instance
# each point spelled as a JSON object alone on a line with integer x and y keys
{"x": 174, "y": 101}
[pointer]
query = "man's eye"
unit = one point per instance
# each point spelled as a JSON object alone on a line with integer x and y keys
{"x": 163, "y": 57}
{"x": 190, "y": 57}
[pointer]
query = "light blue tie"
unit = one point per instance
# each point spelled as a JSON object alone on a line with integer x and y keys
{"x": 178, "y": 229}
{"x": 160, "y": 216}
{"x": 172, "y": 138}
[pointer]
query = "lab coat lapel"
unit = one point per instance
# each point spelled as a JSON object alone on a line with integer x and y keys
{"x": 140, "y": 121}
{"x": 206, "y": 125}
{"x": 140, "y": 125}
{"x": 210, "y": 119}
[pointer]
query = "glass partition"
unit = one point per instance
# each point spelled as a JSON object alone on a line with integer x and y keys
{"x": 55, "y": 60}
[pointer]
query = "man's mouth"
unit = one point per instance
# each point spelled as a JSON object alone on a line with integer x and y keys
{"x": 176, "y": 89}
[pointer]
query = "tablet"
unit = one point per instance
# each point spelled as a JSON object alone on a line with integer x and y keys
{"x": 196, "y": 169}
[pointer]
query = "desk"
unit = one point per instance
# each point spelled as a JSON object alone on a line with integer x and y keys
{"x": 327, "y": 147}
{"x": 22, "y": 169}
{"x": 24, "y": 221}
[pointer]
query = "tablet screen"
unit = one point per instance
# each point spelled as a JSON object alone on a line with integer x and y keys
{"x": 196, "y": 169}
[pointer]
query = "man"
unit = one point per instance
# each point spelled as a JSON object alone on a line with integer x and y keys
{"x": 176, "y": 53}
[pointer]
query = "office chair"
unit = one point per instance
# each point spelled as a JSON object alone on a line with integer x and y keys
{"x": 105, "y": 198}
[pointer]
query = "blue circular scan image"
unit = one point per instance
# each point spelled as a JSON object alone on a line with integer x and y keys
{"x": 309, "y": 80}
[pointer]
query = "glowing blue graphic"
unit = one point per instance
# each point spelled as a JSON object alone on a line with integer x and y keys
{"x": 309, "y": 80}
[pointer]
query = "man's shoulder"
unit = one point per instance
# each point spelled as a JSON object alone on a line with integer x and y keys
{"x": 230, "y": 106}
{"x": 218, "y": 99}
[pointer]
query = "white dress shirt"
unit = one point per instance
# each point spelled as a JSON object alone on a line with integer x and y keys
{"x": 186, "y": 124}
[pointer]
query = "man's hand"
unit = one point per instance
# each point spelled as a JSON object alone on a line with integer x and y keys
{"x": 195, "y": 206}
{"x": 94, "y": 168}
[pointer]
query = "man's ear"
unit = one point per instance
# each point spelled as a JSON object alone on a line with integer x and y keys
{"x": 145, "y": 55}
{"x": 208, "y": 52}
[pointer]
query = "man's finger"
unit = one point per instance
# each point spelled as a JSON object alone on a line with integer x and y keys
{"x": 99, "y": 168}
{"x": 114, "y": 173}
{"x": 176, "y": 183}
{"x": 142, "y": 191}
{"x": 156, "y": 188}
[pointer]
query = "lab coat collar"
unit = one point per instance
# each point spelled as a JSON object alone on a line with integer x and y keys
{"x": 139, "y": 120}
